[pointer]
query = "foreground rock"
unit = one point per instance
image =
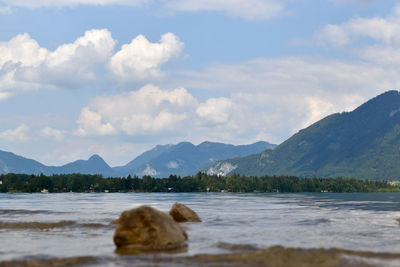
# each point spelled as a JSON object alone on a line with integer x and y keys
{"x": 182, "y": 213}
{"x": 146, "y": 229}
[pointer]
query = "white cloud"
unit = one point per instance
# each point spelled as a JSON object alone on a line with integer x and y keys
{"x": 25, "y": 65}
{"x": 375, "y": 40}
{"x": 92, "y": 122}
{"x": 22, "y": 50}
{"x": 216, "y": 110}
{"x": 141, "y": 60}
{"x": 18, "y": 134}
{"x": 53, "y": 133}
{"x": 382, "y": 55}
{"x": 64, "y": 3}
{"x": 385, "y": 30}
{"x": 152, "y": 114}
{"x": 148, "y": 110}
{"x": 245, "y": 9}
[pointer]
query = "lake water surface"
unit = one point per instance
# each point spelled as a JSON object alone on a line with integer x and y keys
{"x": 74, "y": 224}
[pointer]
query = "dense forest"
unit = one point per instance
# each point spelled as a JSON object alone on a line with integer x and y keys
{"x": 200, "y": 182}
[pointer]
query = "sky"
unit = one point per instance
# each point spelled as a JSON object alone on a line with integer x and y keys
{"x": 117, "y": 77}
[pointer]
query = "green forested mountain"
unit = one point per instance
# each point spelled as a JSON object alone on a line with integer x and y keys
{"x": 364, "y": 143}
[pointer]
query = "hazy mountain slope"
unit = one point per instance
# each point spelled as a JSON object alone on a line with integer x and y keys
{"x": 94, "y": 165}
{"x": 143, "y": 158}
{"x": 364, "y": 143}
{"x": 9, "y": 162}
{"x": 185, "y": 158}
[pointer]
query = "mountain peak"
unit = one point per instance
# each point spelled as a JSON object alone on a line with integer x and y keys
{"x": 208, "y": 144}
{"x": 382, "y": 103}
{"x": 95, "y": 157}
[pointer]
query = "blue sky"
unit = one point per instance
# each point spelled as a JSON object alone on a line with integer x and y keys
{"x": 117, "y": 77}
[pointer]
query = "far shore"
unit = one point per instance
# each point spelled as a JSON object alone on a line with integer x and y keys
{"x": 201, "y": 182}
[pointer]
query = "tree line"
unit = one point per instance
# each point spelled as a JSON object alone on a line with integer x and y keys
{"x": 200, "y": 182}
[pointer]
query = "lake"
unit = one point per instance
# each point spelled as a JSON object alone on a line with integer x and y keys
{"x": 45, "y": 226}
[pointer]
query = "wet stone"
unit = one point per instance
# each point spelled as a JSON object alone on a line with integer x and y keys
{"x": 181, "y": 213}
{"x": 145, "y": 229}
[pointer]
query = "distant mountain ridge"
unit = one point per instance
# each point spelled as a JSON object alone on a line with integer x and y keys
{"x": 364, "y": 143}
{"x": 11, "y": 163}
{"x": 180, "y": 159}
{"x": 186, "y": 159}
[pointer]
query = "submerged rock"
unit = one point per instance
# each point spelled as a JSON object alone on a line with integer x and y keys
{"x": 146, "y": 229}
{"x": 182, "y": 213}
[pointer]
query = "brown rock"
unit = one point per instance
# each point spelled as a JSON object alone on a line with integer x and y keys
{"x": 146, "y": 229}
{"x": 182, "y": 213}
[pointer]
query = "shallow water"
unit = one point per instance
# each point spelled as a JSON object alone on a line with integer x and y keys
{"x": 72, "y": 225}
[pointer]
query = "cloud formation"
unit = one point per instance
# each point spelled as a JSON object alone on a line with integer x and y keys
{"x": 53, "y": 133}
{"x": 385, "y": 30}
{"x": 216, "y": 110}
{"x": 146, "y": 111}
{"x": 15, "y": 135}
{"x": 25, "y": 65}
{"x": 375, "y": 41}
{"x": 140, "y": 60}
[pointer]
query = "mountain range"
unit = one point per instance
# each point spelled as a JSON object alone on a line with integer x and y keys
{"x": 364, "y": 143}
{"x": 181, "y": 159}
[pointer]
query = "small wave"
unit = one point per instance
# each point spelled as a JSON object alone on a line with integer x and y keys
{"x": 49, "y": 225}
{"x": 313, "y": 222}
{"x": 27, "y": 212}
